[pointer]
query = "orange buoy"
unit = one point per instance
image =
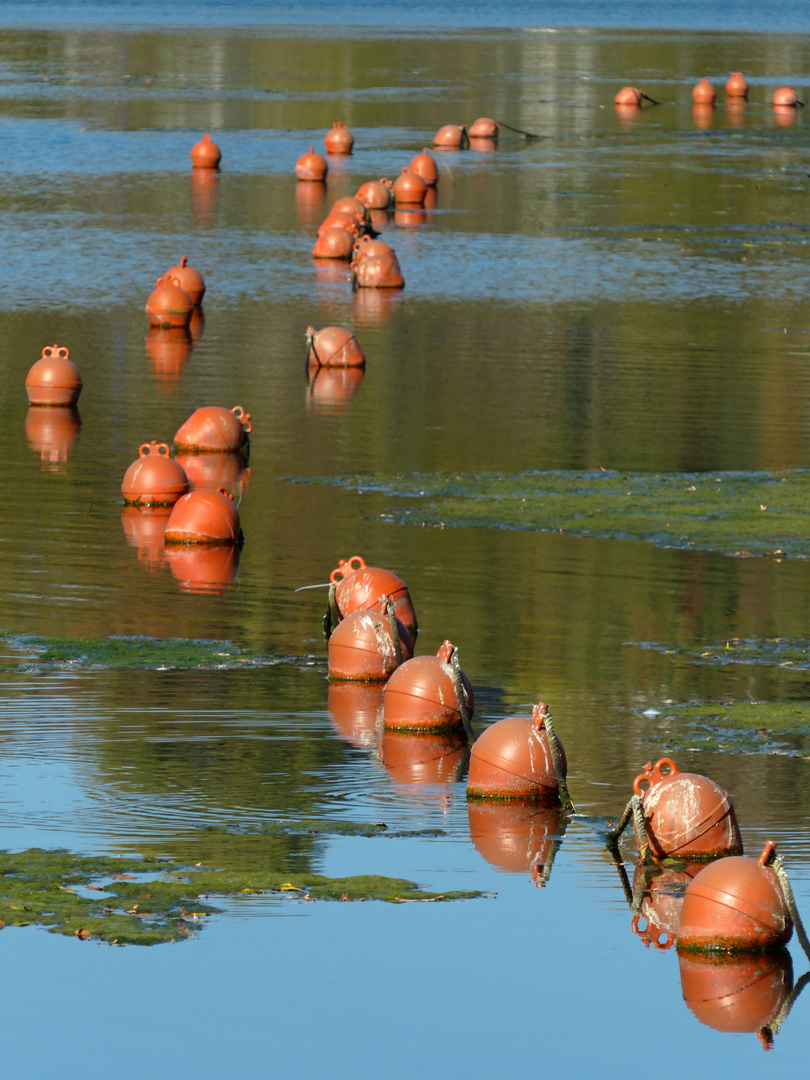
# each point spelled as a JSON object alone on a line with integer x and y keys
{"x": 311, "y": 166}
{"x": 154, "y": 479}
{"x": 51, "y": 432}
{"x": 203, "y": 568}
{"x": 191, "y": 280}
{"x": 363, "y": 648}
{"x": 365, "y": 247}
{"x": 409, "y": 187}
{"x": 169, "y": 304}
{"x": 704, "y": 93}
{"x": 629, "y": 95}
{"x": 355, "y": 710}
{"x": 204, "y": 517}
{"x": 513, "y": 759}
{"x": 349, "y": 204}
{"x": 516, "y": 837}
{"x": 378, "y": 272}
{"x": 738, "y": 993}
{"x": 339, "y": 140}
{"x": 375, "y": 194}
{"x": 686, "y": 815}
{"x": 334, "y": 243}
{"x": 421, "y": 758}
{"x": 737, "y": 86}
{"x": 785, "y": 96}
{"x": 427, "y": 168}
{"x": 735, "y": 905}
{"x": 358, "y": 587}
{"x": 214, "y": 430}
{"x": 451, "y": 137}
{"x": 215, "y": 471}
{"x": 423, "y": 694}
{"x": 340, "y": 219}
{"x": 484, "y": 128}
{"x": 144, "y": 527}
{"x": 333, "y": 347}
{"x": 54, "y": 379}
{"x": 206, "y": 154}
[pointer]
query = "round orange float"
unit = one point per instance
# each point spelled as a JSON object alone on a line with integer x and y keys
{"x": 451, "y": 137}
{"x": 378, "y": 272}
{"x": 214, "y": 430}
{"x": 512, "y": 759}
{"x": 154, "y": 479}
{"x": 427, "y": 168}
{"x": 349, "y": 204}
{"x": 422, "y": 695}
{"x": 206, "y": 154}
{"x": 358, "y": 587}
{"x": 333, "y": 347}
{"x": 311, "y": 166}
{"x": 54, "y": 379}
{"x": 686, "y": 815}
{"x": 409, "y": 187}
{"x": 190, "y": 280}
{"x": 738, "y": 994}
{"x": 704, "y": 93}
{"x": 365, "y": 247}
{"x": 339, "y": 140}
{"x": 51, "y": 432}
{"x": 334, "y": 243}
{"x": 362, "y": 647}
{"x": 737, "y": 86}
{"x": 169, "y": 304}
{"x": 735, "y": 905}
{"x": 340, "y": 219}
{"x": 629, "y": 95}
{"x": 204, "y": 517}
{"x": 484, "y": 128}
{"x": 375, "y": 194}
{"x": 784, "y": 96}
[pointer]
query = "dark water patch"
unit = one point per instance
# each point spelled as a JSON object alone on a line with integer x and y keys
{"x": 781, "y": 652}
{"x": 320, "y": 827}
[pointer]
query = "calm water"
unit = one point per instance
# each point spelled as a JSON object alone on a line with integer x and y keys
{"x": 623, "y": 293}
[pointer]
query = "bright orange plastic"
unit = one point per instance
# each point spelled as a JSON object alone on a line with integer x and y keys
{"x": 334, "y": 243}
{"x": 379, "y": 272}
{"x": 361, "y": 647}
{"x": 785, "y": 96}
{"x": 704, "y": 93}
{"x": 450, "y": 137}
{"x": 215, "y": 471}
{"x": 204, "y": 517}
{"x": 154, "y": 479}
{"x": 51, "y": 432}
{"x": 365, "y": 247}
{"x": 514, "y": 837}
{"x": 686, "y": 815}
{"x": 628, "y": 95}
{"x": 311, "y": 166}
{"x": 737, "y": 86}
{"x": 427, "y": 168}
{"x": 340, "y": 219}
{"x": 168, "y": 348}
{"x": 421, "y": 696}
{"x": 355, "y": 710}
{"x": 204, "y": 568}
{"x": 349, "y": 204}
{"x": 359, "y": 587}
{"x": 339, "y": 140}
{"x": 512, "y": 760}
{"x": 333, "y": 346}
{"x": 191, "y": 280}
{"x": 169, "y": 304}
{"x": 409, "y": 187}
{"x": 737, "y": 994}
{"x": 735, "y": 905}
{"x": 422, "y": 758}
{"x": 54, "y": 379}
{"x": 375, "y": 194}
{"x": 484, "y": 128}
{"x": 214, "y": 430}
{"x": 144, "y": 527}
{"x": 331, "y": 389}
{"x": 206, "y": 154}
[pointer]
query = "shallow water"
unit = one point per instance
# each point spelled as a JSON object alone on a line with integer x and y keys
{"x": 624, "y": 294}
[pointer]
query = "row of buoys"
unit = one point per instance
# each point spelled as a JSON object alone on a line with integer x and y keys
{"x": 703, "y": 93}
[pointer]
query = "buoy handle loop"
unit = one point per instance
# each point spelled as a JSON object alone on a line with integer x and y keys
{"x": 651, "y": 934}
{"x": 654, "y": 774}
{"x": 539, "y": 714}
{"x": 242, "y": 416}
{"x": 345, "y": 567}
{"x": 227, "y": 494}
{"x": 147, "y": 448}
{"x": 59, "y": 350}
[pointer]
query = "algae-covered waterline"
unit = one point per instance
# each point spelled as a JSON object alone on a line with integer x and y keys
{"x": 581, "y": 438}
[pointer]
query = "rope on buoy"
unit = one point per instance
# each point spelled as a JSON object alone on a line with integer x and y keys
{"x": 332, "y": 614}
{"x": 461, "y": 694}
{"x": 392, "y": 621}
{"x": 519, "y": 131}
{"x": 634, "y": 810}
{"x": 310, "y": 340}
{"x": 646, "y": 97}
{"x": 790, "y": 900}
{"x": 766, "y": 1034}
{"x": 554, "y": 747}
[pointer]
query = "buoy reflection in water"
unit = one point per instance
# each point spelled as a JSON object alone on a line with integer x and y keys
{"x": 51, "y": 432}
{"x": 517, "y": 838}
{"x": 203, "y": 568}
{"x": 144, "y": 527}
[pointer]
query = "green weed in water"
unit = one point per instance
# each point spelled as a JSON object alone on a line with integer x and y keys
{"x": 780, "y": 652}
{"x": 745, "y": 727}
{"x": 128, "y": 653}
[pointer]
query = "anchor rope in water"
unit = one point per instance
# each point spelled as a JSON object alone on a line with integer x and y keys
{"x": 634, "y": 810}
{"x": 556, "y": 758}
{"x": 461, "y": 694}
{"x": 388, "y": 605}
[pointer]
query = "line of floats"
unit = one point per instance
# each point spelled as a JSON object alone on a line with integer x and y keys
{"x": 630, "y": 100}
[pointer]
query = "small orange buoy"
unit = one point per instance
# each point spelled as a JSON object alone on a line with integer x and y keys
{"x": 378, "y": 272}
{"x": 427, "y": 168}
{"x": 738, "y": 993}
{"x": 340, "y": 219}
{"x": 409, "y": 187}
{"x": 735, "y": 905}
{"x": 484, "y": 128}
{"x": 54, "y": 379}
{"x": 785, "y": 96}
{"x": 169, "y": 304}
{"x": 362, "y": 647}
{"x": 513, "y": 759}
{"x": 339, "y": 140}
{"x": 704, "y": 93}
{"x": 359, "y": 587}
{"x": 214, "y": 430}
{"x": 203, "y": 568}
{"x": 424, "y": 695}
{"x": 451, "y": 137}
{"x": 154, "y": 479}
{"x": 375, "y": 194}
{"x": 737, "y": 86}
{"x": 191, "y": 280}
{"x": 686, "y": 815}
{"x": 311, "y": 166}
{"x": 333, "y": 347}
{"x": 349, "y": 204}
{"x": 334, "y": 243}
{"x": 204, "y": 517}
{"x": 629, "y": 95}
{"x": 206, "y": 154}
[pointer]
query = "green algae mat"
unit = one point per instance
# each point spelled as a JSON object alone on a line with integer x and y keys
{"x": 735, "y": 513}
{"x": 734, "y": 727}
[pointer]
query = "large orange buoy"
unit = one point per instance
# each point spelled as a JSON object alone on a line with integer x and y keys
{"x": 358, "y": 587}
{"x": 355, "y": 710}
{"x": 206, "y": 154}
{"x": 154, "y": 479}
{"x": 735, "y": 905}
{"x": 513, "y": 759}
{"x": 191, "y": 280}
{"x": 365, "y": 247}
{"x": 349, "y": 204}
{"x": 516, "y": 837}
{"x": 378, "y": 272}
{"x": 484, "y": 128}
{"x": 215, "y": 471}
{"x": 704, "y": 93}
{"x": 144, "y": 527}
{"x": 685, "y": 815}
{"x": 376, "y": 194}
{"x": 451, "y": 137}
{"x": 333, "y": 347}
{"x": 428, "y": 694}
{"x": 339, "y": 140}
{"x": 169, "y": 304}
{"x": 311, "y": 166}
{"x": 629, "y": 95}
{"x": 51, "y": 432}
{"x": 739, "y": 993}
{"x": 363, "y": 647}
{"x": 427, "y": 168}
{"x": 340, "y": 219}
{"x": 785, "y": 96}
{"x": 203, "y": 568}
{"x": 214, "y": 430}
{"x": 422, "y": 758}
{"x": 409, "y": 187}
{"x": 204, "y": 517}
{"x": 54, "y": 379}
{"x": 737, "y": 86}
{"x": 334, "y": 243}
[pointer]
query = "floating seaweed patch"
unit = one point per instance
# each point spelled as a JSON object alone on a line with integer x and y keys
{"x": 777, "y": 652}
{"x": 741, "y": 727}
